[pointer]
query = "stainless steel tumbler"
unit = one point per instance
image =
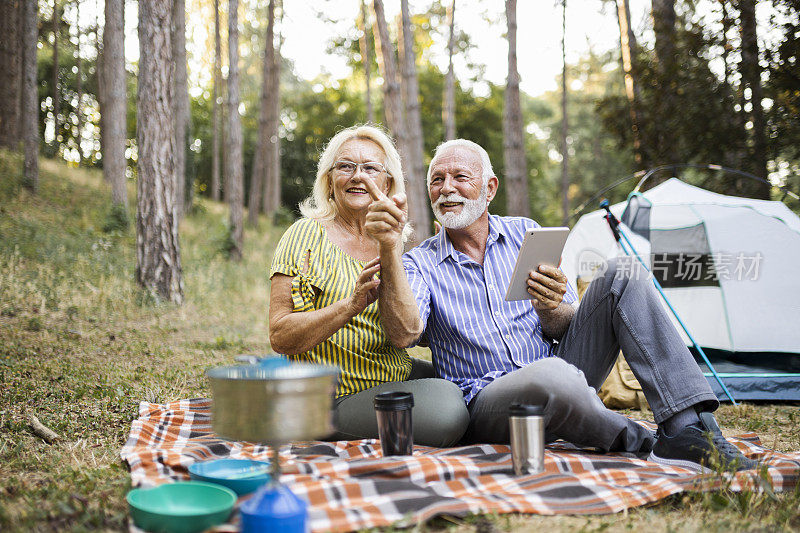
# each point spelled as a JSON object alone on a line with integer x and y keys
{"x": 393, "y": 411}
{"x": 526, "y": 425}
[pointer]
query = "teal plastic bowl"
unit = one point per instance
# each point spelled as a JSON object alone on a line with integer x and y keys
{"x": 183, "y": 507}
{"x": 242, "y": 476}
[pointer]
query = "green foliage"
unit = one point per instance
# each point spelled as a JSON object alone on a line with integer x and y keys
{"x": 313, "y": 111}
{"x": 117, "y": 219}
{"x": 703, "y": 122}
{"x": 283, "y": 217}
{"x": 697, "y": 124}
{"x": 67, "y": 80}
{"x": 783, "y": 88}
{"x": 11, "y": 172}
{"x": 33, "y": 323}
{"x": 222, "y": 343}
{"x": 225, "y": 243}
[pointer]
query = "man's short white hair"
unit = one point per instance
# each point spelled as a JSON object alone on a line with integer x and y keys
{"x": 486, "y": 165}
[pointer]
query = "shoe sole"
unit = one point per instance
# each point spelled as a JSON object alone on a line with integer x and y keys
{"x": 680, "y": 463}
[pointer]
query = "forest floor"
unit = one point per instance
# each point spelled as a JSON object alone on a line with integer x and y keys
{"x": 81, "y": 345}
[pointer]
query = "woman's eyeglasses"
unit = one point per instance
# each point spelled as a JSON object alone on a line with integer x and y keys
{"x": 349, "y": 168}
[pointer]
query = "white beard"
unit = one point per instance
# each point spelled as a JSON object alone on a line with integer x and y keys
{"x": 470, "y": 211}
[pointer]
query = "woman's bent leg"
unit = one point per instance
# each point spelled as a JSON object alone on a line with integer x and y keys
{"x": 439, "y": 418}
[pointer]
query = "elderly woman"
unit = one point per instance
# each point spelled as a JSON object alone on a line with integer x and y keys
{"x": 327, "y": 304}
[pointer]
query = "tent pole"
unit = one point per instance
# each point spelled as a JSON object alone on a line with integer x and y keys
{"x": 613, "y": 223}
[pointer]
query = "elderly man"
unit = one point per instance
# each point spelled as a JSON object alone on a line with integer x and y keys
{"x": 549, "y": 351}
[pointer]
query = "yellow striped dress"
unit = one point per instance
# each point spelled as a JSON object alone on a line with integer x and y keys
{"x": 360, "y": 348}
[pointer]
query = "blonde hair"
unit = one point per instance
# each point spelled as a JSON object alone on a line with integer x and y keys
{"x": 320, "y": 205}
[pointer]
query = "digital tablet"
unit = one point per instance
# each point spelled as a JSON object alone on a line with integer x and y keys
{"x": 541, "y": 246}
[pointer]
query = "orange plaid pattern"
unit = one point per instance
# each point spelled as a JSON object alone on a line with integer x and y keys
{"x": 350, "y": 486}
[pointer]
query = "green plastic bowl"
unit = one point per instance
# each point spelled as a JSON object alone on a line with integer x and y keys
{"x": 182, "y": 507}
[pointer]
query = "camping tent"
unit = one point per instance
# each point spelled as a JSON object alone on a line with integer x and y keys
{"x": 731, "y": 268}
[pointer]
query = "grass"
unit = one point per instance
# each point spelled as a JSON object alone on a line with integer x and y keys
{"x": 81, "y": 345}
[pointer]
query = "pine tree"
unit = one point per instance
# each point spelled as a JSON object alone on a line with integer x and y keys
{"x": 258, "y": 177}
{"x": 158, "y": 256}
{"x": 115, "y": 103}
{"x": 449, "y": 105}
{"x": 29, "y": 115}
{"x": 516, "y": 167}
{"x": 11, "y": 67}
{"x": 415, "y": 172}
{"x": 215, "y": 118}
{"x": 180, "y": 102}
{"x": 234, "y": 168}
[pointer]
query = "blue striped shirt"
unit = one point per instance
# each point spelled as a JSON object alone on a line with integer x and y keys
{"x": 474, "y": 334}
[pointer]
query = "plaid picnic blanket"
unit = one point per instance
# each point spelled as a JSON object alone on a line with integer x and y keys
{"x": 349, "y": 485}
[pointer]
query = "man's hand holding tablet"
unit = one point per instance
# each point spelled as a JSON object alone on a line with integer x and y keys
{"x": 536, "y": 275}
{"x": 547, "y": 287}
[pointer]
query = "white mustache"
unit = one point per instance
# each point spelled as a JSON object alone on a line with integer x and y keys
{"x": 452, "y": 197}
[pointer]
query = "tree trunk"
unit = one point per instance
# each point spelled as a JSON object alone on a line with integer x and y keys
{"x": 29, "y": 115}
{"x": 158, "y": 257}
{"x": 234, "y": 168}
{"x": 272, "y": 195}
{"x": 664, "y": 29}
{"x": 115, "y": 102}
{"x": 517, "y": 202}
{"x": 627, "y": 45}
{"x": 393, "y": 106}
{"x": 663, "y": 12}
{"x": 101, "y": 87}
{"x": 79, "y": 82}
{"x": 418, "y": 193}
{"x": 215, "y": 185}
{"x": 11, "y": 66}
{"x": 736, "y": 154}
{"x": 180, "y": 102}
{"x": 366, "y": 62}
{"x": 726, "y": 46}
{"x": 449, "y": 107}
{"x": 258, "y": 178}
{"x": 56, "y": 92}
{"x": 225, "y": 132}
{"x": 392, "y": 99}
{"x": 564, "y": 119}
{"x": 751, "y": 77}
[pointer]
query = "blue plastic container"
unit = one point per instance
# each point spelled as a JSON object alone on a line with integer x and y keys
{"x": 242, "y": 476}
{"x": 274, "y": 508}
{"x": 273, "y": 361}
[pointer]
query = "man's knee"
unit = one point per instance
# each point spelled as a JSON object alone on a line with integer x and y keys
{"x": 555, "y": 373}
{"x": 626, "y": 270}
{"x": 550, "y": 380}
{"x": 621, "y": 273}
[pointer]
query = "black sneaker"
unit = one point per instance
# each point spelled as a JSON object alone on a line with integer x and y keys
{"x": 700, "y": 448}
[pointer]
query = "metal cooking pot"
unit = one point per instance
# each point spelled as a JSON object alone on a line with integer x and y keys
{"x": 272, "y": 405}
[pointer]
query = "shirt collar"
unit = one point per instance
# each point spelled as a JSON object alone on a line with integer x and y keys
{"x": 445, "y": 248}
{"x": 496, "y": 229}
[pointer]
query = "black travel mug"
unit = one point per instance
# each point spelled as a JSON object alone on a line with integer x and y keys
{"x": 393, "y": 411}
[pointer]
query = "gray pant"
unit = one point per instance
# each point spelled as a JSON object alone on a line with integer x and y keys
{"x": 439, "y": 417}
{"x": 621, "y": 309}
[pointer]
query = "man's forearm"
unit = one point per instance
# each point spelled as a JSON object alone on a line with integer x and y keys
{"x": 399, "y": 312}
{"x": 556, "y": 321}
